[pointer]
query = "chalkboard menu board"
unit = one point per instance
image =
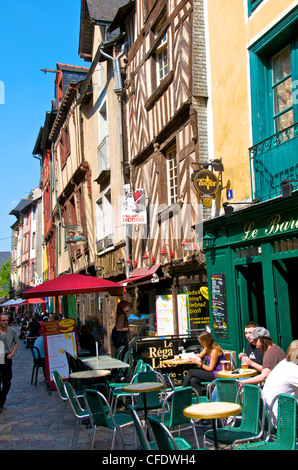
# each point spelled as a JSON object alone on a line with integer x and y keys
{"x": 218, "y": 300}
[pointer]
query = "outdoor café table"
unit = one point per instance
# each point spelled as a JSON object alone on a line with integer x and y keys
{"x": 176, "y": 362}
{"x": 89, "y": 374}
{"x": 104, "y": 362}
{"x": 240, "y": 374}
{"x": 212, "y": 410}
{"x": 143, "y": 387}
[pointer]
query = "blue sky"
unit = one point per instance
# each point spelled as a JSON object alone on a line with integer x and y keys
{"x": 34, "y": 35}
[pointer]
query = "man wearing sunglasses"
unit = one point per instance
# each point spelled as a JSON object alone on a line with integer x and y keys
{"x": 8, "y": 345}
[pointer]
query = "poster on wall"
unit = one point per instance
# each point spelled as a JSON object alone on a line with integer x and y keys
{"x": 182, "y": 301}
{"x": 59, "y": 336}
{"x": 219, "y": 311}
{"x": 193, "y": 309}
{"x": 164, "y": 315}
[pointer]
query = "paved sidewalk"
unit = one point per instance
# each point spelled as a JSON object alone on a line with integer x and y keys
{"x": 30, "y": 417}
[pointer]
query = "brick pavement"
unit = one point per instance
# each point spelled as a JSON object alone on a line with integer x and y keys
{"x": 30, "y": 417}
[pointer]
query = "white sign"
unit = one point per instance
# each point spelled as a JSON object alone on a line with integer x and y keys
{"x": 133, "y": 207}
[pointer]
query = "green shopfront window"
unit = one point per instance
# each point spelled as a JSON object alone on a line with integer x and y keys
{"x": 282, "y": 90}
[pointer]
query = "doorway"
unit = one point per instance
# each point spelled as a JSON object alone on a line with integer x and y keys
{"x": 251, "y": 300}
{"x": 285, "y": 272}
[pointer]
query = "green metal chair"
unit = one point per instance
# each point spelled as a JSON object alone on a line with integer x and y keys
{"x": 102, "y": 417}
{"x": 227, "y": 389}
{"x": 153, "y": 401}
{"x": 79, "y": 412}
{"x": 58, "y": 381}
{"x": 252, "y": 420}
{"x": 175, "y": 420}
{"x": 116, "y": 391}
{"x": 285, "y": 435}
{"x": 145, "y": 444}
{"x": 164, "y": 439}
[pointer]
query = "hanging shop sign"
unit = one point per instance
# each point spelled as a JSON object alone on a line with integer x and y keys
{"x": 133, "y": 207}
{"x": 206, "y": 184}
{"x": 74, "y": 235}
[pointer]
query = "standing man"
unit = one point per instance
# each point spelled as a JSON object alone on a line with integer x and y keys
{"x": 9, "y": 338}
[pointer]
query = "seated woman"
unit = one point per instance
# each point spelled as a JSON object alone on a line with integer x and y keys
{"x": 213, "y": 354}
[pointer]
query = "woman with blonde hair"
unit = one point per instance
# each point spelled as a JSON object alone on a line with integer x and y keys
{"x": 284, "y": 377}
{"x": 205, "y": 372}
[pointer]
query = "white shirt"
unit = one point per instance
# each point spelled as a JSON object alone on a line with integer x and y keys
{"x": 282, "y": 379}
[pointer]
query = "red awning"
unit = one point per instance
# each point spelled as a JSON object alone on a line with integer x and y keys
{"x": 140, "y": 274}
{"x": 70, "y": 284}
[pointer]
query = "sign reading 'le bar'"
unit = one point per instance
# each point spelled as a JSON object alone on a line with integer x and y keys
{"x": 206, "y": 184}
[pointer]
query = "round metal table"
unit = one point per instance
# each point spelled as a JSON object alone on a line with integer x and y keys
{"x": 241, "y": 374}
{"x": 212, "y": 411}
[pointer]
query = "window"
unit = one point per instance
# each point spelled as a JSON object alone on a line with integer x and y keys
{"x": 172, "y": 175}
{"x": 104, "y": 221}
{"x": 162, "y": 59}
{"x": 282, "y": 90}
{"x": 64, "y": 146}
{"x": 274, "y": 110}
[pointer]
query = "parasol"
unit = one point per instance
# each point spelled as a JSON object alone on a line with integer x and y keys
{"x": 70, "y": 284}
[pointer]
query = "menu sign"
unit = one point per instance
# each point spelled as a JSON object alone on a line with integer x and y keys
{"x": 218, "y": 300}
{"x": 59, "y": 336}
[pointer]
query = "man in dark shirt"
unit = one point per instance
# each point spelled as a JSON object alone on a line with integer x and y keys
{"x": 255, "y": 354}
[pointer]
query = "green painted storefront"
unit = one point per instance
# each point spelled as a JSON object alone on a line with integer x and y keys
{"x": 252, "y": 270}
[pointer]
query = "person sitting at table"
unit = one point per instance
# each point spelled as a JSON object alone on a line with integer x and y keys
{"x": 86, "y": 340}
{"x": 205, "y": 372}
{"x": 273, "y": 354}
{"x": 255, "y": 354}
{"x": 283, "y": 378}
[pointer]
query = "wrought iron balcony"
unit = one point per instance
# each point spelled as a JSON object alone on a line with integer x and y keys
{"x": 272, "y": 161}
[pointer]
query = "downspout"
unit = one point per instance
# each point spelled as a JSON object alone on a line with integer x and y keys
{"x": 118, "y": 91}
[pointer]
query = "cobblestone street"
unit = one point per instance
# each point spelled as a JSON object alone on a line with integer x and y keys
{"x": 30, "y": 417}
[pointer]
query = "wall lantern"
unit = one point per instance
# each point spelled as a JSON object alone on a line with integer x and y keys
{"x": 208, "y": 240}
{"x": 166, "y": 255}
{"x": 189, "y": 245}
{"x": 120, "y": 261}
{"x": 148, "y": 260}
{"x": 129, "y": 261}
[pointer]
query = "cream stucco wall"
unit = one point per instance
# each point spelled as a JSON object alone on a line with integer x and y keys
{"x": 229, "y": 33}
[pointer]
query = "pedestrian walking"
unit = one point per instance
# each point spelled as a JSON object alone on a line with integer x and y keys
{"x": 9, "y": 338}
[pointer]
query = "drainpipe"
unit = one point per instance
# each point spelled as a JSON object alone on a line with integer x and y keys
{"x": 118, "y": 91}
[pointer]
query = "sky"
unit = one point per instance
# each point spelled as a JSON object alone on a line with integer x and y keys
{"x": 34, "y": 35}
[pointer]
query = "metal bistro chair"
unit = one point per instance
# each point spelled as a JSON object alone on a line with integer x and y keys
{"x": 251, "y": 426}
{"x": 116, "y": 391}
{"x": 145, "y": 444}
{"x": 58, "y": 381}
{"x": 226, "y": 390}
{"x": 285, "y": 435}
{"x": 164, "y": 439}
{"x": 38, "y": 362}
{"x": 175, "y": 420}
{"x": 153, "y": 402}
{"x": 102, "y": 417}
{"x": 79, "y": 412}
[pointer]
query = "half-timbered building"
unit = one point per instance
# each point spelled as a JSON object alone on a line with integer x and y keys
{"x": 162, "y": 143}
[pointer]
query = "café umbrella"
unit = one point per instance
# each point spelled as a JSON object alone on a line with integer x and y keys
{"x": 70, "y": 284}
{"x": 33, "y": 301}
